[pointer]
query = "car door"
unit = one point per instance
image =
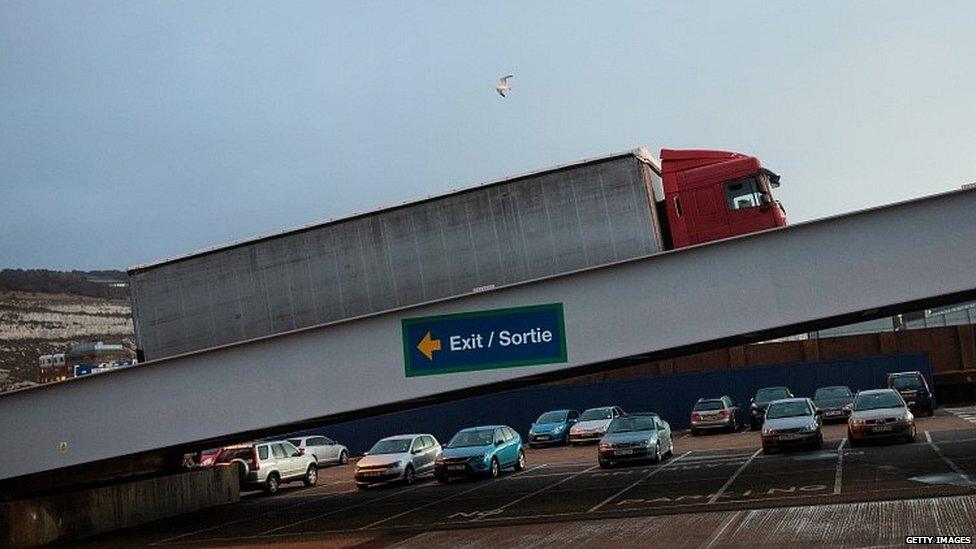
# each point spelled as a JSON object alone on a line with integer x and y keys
{"x": 319, "y": 448}
{"x": 331, "y": 449}
{"x": 294, "y": 460}
{"x": 663, "y": 434}
{"x": 279, "y": 460}
{"x": 511, "y": 444}
{"x": 417, "y": 454}
{"x": 431, "y": 453}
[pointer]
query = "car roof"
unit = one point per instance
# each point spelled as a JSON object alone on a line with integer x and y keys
{"x": 834, "y": 387}
{"x": 773, "y": 387}
{"x": 567, "y": 410}
{"x": 481, "y": 427}
{"x": 913, "y": 373}
{"x": 405, "y": 436}
{"x": 600, "y": 408}
{"x": 794, "y": 399}
{"x": 708, "y": 399}
{"x": 643, "y": 414}
{"x": 876, "y": 391}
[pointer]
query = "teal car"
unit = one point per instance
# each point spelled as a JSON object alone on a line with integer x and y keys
{"x": 480, "y": 451}
{"x": 552, "y": 427}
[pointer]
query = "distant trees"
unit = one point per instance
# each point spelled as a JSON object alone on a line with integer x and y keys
{"x": 85, "y": 283}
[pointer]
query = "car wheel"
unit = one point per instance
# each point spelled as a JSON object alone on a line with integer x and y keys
{"x": 343, "y": 457}
{"x": 272, "y": 484}
{"x": 605, "y": 464}
{"x": 242, "y": 470}
{"x": 408, "y": 476}
{"x": 819, "y": 443}
{"x": 311, "y": 476}
{"x": 362, "y": 486}
{"x": 851, "y": 441}
{"x": 520, "y": 462}
{"x": 442, "y": 480}
{"x": 694, "y": 433}
{"x": 496, "y": 470}
{"x": 657, "y": 452}
{"x": 766, "y": 449}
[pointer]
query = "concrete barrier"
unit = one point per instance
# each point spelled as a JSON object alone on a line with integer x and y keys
{"x": 74, "y": 515}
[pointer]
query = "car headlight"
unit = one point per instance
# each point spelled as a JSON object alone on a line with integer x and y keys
{"x": 439, "y": 461}
{"x": 644, "y": 443}
{"x": 857, "y": 421}
{"x": 606, "y": 446}
{"x": 392, "y": 466}
{"x": 810, "y": 428}
{"x": 559, "y": 429}
{"x": 907, "y": 416}
{"x": 767, "y": 431}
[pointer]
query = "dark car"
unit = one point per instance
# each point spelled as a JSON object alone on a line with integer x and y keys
{"x": 915, "y": 390}
{"x": 757, "y": 410}
{"x": 715, "y": 413}
{"x": 834, "y": 402}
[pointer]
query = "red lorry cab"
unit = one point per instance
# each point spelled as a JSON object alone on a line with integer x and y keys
{"x": 711, "y": 195}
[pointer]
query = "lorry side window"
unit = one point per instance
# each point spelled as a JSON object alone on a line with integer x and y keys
{"x": 743, "y": 193}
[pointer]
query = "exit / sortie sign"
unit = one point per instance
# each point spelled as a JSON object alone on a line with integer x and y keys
{"x": 484, "y": 340}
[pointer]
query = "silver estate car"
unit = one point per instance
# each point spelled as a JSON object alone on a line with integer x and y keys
{"x": 267, "y": 465}
{"x": 791, "y": 423}
{"x": 635, "y": 437}
{"x": 400, "y": 458}
{"x": 323, "y": 449}
{"x": 880, "y": 414}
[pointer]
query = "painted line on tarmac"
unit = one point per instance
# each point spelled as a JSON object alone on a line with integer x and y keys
{"x": 955, "y": 468}
{"x": 718, "y": 533}
{"x": 249, "y": 518}
{"x": 333, "y": 512}
{"x": 840, "y": 467}
{"x": 441, "y": 500}
{"x": 734, "y": 476}
{"x": 501, "y": 509}
{"x": 656, "y": 470}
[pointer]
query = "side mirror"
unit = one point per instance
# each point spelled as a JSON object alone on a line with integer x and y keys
{"x": 417, "y": 451}
{"x": 499, "y": 442}
{"x": 300, "y": 452}
{"x": 572, "y": 421}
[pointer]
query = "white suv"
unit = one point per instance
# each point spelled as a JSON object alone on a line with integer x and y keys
{"x": 266, "y": 465}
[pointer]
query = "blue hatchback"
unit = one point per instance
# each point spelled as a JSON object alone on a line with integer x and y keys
{"x": 480, "y": 451}
{"x": 552, "y": 427}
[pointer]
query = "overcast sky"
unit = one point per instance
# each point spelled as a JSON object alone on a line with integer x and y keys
{"x": 135, "y": 131}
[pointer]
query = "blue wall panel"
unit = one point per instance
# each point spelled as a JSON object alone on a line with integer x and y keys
{"x": 672, "y": 396}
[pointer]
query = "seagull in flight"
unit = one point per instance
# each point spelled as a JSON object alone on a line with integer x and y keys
{"x": 503, "y": 86}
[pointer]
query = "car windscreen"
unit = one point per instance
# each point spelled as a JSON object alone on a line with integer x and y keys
{"x": 393, "y": 446}
{"x": 792, "y": 408}
{"x": 481, "y": 437}
{"x": 832, "y": 392}
{"x": 708, "y": 405}
{"x": 230, "y": 454}
{"x": 629, "y": 424}
{"x": 596, "y": 413}
{"x": 552, "y": 417}
{"x": 876, "y": 401}
{"x": 772, "y": 393}
{"x": 907, "y": 383}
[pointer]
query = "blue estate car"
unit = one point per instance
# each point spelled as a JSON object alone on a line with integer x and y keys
{"x": 552, "y": 427}
{"x": 480, "y": 451}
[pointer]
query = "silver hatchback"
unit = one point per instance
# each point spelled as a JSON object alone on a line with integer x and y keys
{"x": 400, "y": 458}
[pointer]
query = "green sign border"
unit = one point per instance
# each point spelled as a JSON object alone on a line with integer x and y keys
{"x": 563, "y": 356}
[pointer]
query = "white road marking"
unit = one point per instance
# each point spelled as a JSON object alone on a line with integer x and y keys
{"x": 955, "y": 468}
{"x": 734, "y": 476}
{"x": 721, "y": 530}
{"x": 539, "y": 491}
{"x": 967, "y": 413}
{"x": 441, "y": 500}
{"x": 656, "y": 470}
{"x": 840, "y": 465}
{"x": 249, "y": 518}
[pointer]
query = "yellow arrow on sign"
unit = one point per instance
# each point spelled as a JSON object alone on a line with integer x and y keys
{"x": 428, "y": 345}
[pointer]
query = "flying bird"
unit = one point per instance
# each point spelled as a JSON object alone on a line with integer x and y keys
{"x": 503, "y": 86}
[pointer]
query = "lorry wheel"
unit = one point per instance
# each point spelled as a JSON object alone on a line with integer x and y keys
{"x": 311, "y": 476}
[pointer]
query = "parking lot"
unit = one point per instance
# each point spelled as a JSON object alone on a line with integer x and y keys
{"x": 713, "y": 488}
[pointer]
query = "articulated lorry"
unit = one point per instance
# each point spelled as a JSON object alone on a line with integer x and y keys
{"x": 535, "y": 225}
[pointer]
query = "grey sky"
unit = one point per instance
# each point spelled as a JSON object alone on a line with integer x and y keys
{"x": 134, "y": 131}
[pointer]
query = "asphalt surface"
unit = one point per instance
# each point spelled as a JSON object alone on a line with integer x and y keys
{"x": 716, "y": 490}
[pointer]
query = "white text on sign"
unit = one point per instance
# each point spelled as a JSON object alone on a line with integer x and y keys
{"x": 505, "y": 339}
